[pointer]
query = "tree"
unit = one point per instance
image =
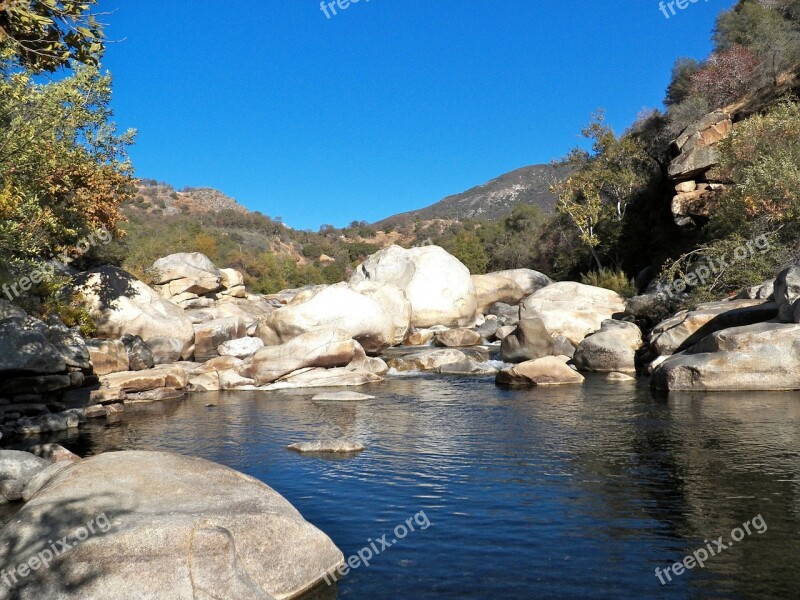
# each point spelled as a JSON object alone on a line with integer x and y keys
{"x": 680, "y": 87}
{"x": 603, "y": 182}
{"x": 63, "y": 168}
{"x": 769, "y": 29}
{"x": 467, "y": 247}
{"x": 49, "y": 34}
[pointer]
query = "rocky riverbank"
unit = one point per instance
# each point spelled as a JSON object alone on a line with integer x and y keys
{"x": 197, "y": 328}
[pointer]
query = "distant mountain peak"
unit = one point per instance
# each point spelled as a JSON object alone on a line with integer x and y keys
{"x": 494, "y": 199}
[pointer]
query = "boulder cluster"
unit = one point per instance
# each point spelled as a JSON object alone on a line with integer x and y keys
{"x": 195, "y": 327}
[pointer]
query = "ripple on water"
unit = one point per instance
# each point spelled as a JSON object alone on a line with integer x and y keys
{"x": 545, "y": 493}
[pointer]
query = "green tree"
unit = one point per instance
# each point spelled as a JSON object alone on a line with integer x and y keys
{"x": 49, "y": 34}
{"x": 63, "y": 168}
{"x": 603, "y": 182}
{"x": 466, "y": 246}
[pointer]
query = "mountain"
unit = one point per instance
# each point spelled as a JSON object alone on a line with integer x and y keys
{"x": 492, "y": 200}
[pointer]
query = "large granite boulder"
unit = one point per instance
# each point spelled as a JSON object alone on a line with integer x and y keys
{"x": 365, "y": 317}
{"x": 27, "y": 348}
{"x": 529, "y": 341}
{"x": 159, "y": 525}
{"x": 528, "y": 280}
{"x": 16, "y": 470}
{"x": 611, "y": 349}
{"x": 756, "y": 357}
{"x": 186, "y": 273}
{"x": 491, "y": 288}
{"x": 573, "y": 310}
{"x": 686, "y": 328}
{"x": 323, "y": 348}
{"x": 120, "y": 304}
{"x": 437, "y": 285}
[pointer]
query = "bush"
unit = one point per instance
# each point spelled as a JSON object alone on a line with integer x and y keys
{"x": 726, "y": 76}
{"x": 610, "y": 279}
{"x": 762, "y": 159}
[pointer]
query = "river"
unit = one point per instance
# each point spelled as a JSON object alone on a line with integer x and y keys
{"x": 571, "y": 492}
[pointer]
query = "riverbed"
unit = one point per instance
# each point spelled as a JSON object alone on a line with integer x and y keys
{"x": 566, "y": 492}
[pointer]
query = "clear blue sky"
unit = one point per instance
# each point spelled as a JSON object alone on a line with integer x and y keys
{"x": 388, "y": 106}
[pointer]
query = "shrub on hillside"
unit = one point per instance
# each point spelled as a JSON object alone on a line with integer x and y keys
{"x": 610, "y": 279}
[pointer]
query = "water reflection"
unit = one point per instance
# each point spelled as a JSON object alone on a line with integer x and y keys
{"x": 546, "y": 493}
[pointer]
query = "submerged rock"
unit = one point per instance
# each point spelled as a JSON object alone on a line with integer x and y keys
{"x": 164, "y": 526}
{"x": 327, "y": 447}
{"x": 341, "y": 397}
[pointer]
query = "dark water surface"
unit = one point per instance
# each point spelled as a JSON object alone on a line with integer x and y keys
{"x": 577, "y": 492}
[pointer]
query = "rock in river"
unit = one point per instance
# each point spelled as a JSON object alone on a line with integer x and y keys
{"x": 164, "y": 526}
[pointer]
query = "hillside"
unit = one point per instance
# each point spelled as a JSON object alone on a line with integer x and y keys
{"x": 161, "y": 198}
{"x": 492, "y": 200}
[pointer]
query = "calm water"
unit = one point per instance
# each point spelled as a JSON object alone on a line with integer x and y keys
{"x": 549, "y": 493}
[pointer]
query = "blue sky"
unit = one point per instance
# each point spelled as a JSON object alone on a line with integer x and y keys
{"x": 388, "y": 106}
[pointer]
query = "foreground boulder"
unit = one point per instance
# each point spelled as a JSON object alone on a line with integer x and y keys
{"x": 165, "y": 526}
{"x": 529, "y": 341}
{"x": 16, "y": 470}
{"x": 120, "y": 304}
{"x": 573, "y": 310}
{"x": 374, "y": 319}
{"x": 437, "y": 284}
{"x": 686, "y": 328}
{"x": 756, "y": 357}
{"x": 551, "y": 370}
{"x": 611, "y": 349}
